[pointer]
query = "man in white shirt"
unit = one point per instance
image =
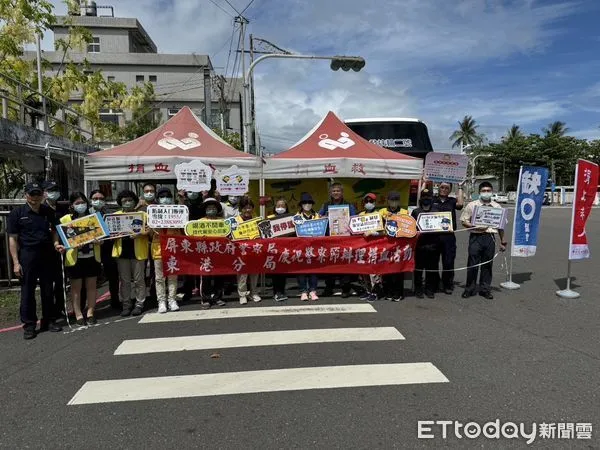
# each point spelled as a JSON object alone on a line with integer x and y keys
{"x": 482, "y": 245}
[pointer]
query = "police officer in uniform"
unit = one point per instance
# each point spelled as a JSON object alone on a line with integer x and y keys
{"x": 31, "y": 239}
{"x": 447, "y": 241}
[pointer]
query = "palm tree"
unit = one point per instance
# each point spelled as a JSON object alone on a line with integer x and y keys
{"x": 557, "y": 128}
{"x": 466, "y": 134}
{"x": 513, "y": 133}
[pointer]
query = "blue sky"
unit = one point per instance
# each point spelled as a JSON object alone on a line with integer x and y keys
{"x": 528, "y": 62}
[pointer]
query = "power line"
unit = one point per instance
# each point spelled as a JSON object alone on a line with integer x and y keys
{"x": 230, "y": 47}
{"x": 247, "y": 6}
{"x": 233, "y": 7}
{"x": 221, "y": 8}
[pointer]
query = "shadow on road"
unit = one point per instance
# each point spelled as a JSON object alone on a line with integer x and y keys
{"x": 522, "y": 277}
{"x": 561, "y": 283}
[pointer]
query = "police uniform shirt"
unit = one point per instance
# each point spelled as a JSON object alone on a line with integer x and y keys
{"x": 467, "y": 215}
{"x": 448, "y": 205}
{"x": 34, "y": 229}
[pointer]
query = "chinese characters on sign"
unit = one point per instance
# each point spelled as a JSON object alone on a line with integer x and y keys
{"x": 489, "y": 217}
{"x": 281, "y": 226}
{"x": 530, "y": 197}
{"x": 339, "y": 220}
{"x": 310, "y": 228}
{"x": 232, "y": 181}
{"x": 167, "y": 216}
{"x": 82, "y": 231}
{"x": 208, "y": 228}
{"x": 401, "y": 225}
{"x": 586, "y": 177}
{"x": 125, "y": 224}
{"x": 194, "y": 176}
{"x": 366, "y": 223}
{"x": 449, "y": 167}
{"x": 344, "y": 254}
{"x": 246, "y": 230}
{"x": 435, "y": 222}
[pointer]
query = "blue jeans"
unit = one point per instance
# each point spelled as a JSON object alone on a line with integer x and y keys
{"x": 307, "y": 283}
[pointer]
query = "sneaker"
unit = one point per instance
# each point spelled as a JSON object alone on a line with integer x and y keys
{"x": 279, "y": 297}
{"x": 221, "y": 302}
{"x": 136, "y": 311}
{"x": 80, "y": 322}
{"x": 173, "y": 306}
{"x": 256, "y": 298}
{"x": 243, "y": 300}
{"x": 51, "y": 326}
{"x": 313, "y": 296}
{"x": 126, "y": 312}
{"x": 304, "y": 297}
{"x": 398, "y": 298}
{"x": 372, "y": 298}
{"x": 365, "y": 295}
{"x": 29, "y": 333}
{"x": 90, "y": 321}
{"x": 162, "y": 307}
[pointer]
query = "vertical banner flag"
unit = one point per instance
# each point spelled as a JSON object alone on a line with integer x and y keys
{"x": 586, "y": 186}
{"x": 528, "y": 210}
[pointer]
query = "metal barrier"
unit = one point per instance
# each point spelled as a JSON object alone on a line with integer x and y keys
{"x": 23, "y": 104}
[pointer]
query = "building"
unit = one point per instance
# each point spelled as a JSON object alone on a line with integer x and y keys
{"x": 125, "y": 52}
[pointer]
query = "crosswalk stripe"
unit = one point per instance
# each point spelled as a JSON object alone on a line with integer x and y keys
{"x": 329, "y": 377}
{"x": 256, "y": 339}
{"x": 229, "y": 313}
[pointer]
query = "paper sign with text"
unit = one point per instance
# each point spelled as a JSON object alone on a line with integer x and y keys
{"x": 208, "y": 228}
{"x": 367, "y": 223}
{"x": 128, "y": 224}
{"x": 232, "y": 181}
{"x": 488, "y": 216}
{"x": 311, "y": 228}
{"x": 82, "y": 231}
{"x": 339, "y": 220}
{"x": 449, "y": 167}
{"x": 401, "y": 225}
{"x": 435, "y": 222}
{"x": 193, "y": 176}
{"x": 167, "y": 216}
{"x": 280, "y": 226}
{"x": 246, "y": 230}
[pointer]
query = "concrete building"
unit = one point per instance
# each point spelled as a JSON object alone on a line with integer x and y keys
{"x": 125, "y": 52}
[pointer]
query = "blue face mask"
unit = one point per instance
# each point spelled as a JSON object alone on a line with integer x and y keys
{"x": 81, "y": 208}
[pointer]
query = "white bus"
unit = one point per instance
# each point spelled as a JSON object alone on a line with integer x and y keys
{"x": 403, "y": 135}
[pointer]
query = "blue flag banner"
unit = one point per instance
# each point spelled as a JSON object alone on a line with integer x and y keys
{"x": 528, "y": 210}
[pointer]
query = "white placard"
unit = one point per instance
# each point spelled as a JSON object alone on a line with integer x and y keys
{"x": 366, "y": 223}
{"x": 449, "y": 167}
{"x": 232, "y": 181}
{"x": 435, "y": 221}
{"x": 168, "y": 216}
{"x": 194, "y": 176}
{"x": 487, "y": 216}
{"x": 129, "y": 224}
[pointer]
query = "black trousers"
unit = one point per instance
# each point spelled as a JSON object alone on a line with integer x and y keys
{"x": 344, "y": 283}
{"x": 58, "y": 290}
{"x": 426, "y": 258}
{"x": 447, "y": 250}
{"x": 34, "y": 263}
{"x": 393, "y": 284}
{"x": 212, "y": 286}
{"x": 481, "y": 249}
{"x": 279, "y": 284}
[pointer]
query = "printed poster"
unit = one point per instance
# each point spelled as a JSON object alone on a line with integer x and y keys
{"x": 435, "y": 222}
{"x": 232, "y": 181}
{"x": 339, "y": 220}
{"x": 167, "y": 216}
{"x": 246, "y": 230}
{"x": 208, "y": 228}
{"x": 367, "y": 223}
{"x": 401, "y": 225}
{"x": 311, "y": 228}
{"x": 280, "y": 226}
{"x": 129, "y": 224}
{"x": 449, "y": 167}
{"x": 193, "y": 176}
{"x": 489, "y": 217}
{"x": 82, "y": 231}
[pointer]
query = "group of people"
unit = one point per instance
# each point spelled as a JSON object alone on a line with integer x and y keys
{"x": 133, "y": 266}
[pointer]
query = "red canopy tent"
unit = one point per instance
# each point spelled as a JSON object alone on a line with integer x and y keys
{"x": 332, "y": 149}
{"x": 181, "y": 139}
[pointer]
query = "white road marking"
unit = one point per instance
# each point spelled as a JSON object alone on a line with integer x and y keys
{"x": 230, "y": 313}
{"x": 185, "y": 386}
{"x": 256, "y": 339}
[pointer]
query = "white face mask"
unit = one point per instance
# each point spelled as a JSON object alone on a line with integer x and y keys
{"x": 485, "y": 196}
{"x": 211, "y": 212}
{"x": 369, "y": 206}
{"x": 233, "y": 200}
{"x": 193, "y": 195}
{"x": 80, "y": 208}
{"x": 280, "y": 210}
{"x": 149, "y": 196}
{"x": 128, "y": 205}
{"x": 98, "y": 204}
{"x": 165, "y": 200}
{"x": 307, "y": 207}
{"x": 54, "y": 195}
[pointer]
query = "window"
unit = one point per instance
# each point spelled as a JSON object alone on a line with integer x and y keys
{"x": 110, "y": 78}
{"x": 139, "y": 78}
{"x": 94, "y": 46}
{"x": 109, "y": 115}
{"x": 172, "y": 111}
{"x": 152, "y": 78}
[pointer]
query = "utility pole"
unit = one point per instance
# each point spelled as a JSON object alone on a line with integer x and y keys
{"x": 244, "y": 107}
{"x": 39, "y": 76}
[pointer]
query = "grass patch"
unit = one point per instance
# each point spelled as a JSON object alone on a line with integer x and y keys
{"x": 10, "y": 301}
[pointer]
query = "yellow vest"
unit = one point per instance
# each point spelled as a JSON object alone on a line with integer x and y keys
{"x": 71, "y": 255}
{"x": 384, "y": 213}
{"x": 140, "y": 245}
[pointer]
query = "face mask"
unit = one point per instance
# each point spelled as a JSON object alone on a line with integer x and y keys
{"x": 149, "y": 196}
{"x": 394, "y": 204}
{"x": 211, "y": 212}
{"x": 307, "y": 207}
{"x": 98, "y": 204}
{"x": 81, "y": 208}
{"x": 233, "y": 200}
{"x": 369, "y": 206}
{"x": 128, "y": 205}
{"x": 280, "y": 210}
{"x": 165, "y": 200}
{"x": 485, "y": 196}
{"x": 193, "y": 195}
{"x": 54, "y": 195}
{"x": 426, "y": 202}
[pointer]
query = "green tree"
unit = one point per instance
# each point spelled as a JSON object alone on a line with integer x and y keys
{"x": 467, "y": 133}
{"x": 145, "y": 116}
{"x": 233, "y": 139}
{"x": 513, "y": 132}
{"x": 557, "y": 128}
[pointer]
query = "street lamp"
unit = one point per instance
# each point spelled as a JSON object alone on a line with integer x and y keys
{"x": 346, "y": 63}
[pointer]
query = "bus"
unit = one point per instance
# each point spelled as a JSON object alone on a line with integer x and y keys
{"x": 403, "y": 135}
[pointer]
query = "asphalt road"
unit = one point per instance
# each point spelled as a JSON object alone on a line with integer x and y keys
{"x": 527, "y": 356}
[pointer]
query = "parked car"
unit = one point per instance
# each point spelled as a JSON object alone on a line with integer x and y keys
{"x": 500, "y": 197}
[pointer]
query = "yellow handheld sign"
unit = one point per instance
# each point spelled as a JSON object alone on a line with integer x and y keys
{"x": 246, "y": 230}
{"x": 207, "y": 228}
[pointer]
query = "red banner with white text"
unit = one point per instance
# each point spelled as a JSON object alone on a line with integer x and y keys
{"x": 184, "y": 255}
{"x": 586, "y": 186}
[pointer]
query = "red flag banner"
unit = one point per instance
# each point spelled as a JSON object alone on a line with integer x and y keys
{"x": 185, "y": 255}
{"x": 586, "y": 179}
